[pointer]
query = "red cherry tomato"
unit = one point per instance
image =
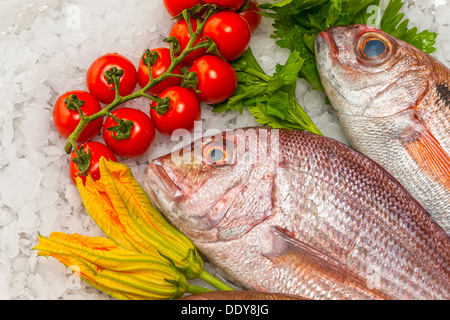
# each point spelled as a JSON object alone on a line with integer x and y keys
{"x": 97, "y": 150}
{"x": 99, "y": 86}
{"x": 252, "y": 16}
{"x": 66, "y": 120}
{"x": 233, "y": 4}
{"x": 175, "y": 7}
{"x": 141, "y": 136}
{"x": 217, "y": 79}
{"x": 161, "y": 65}
{"x": 230, "y": 31}
{"x": 181, "y": 31}
{"x": 184, "y": 110}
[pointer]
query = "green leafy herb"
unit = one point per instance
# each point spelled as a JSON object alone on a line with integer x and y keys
{"x": 271, "y": 99}
{"x": 391, "y": 23}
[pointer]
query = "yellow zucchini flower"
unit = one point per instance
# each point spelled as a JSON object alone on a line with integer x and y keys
{"x": 121, "y": 273}
{"x": 122, "y": 209}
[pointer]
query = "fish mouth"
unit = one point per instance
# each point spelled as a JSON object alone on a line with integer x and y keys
{"x": 161, "y": 180}
{"x": 325, "y": 42}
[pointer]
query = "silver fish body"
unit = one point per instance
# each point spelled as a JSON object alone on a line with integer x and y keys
{"x": 301, "y": 214}
{"x": 394, "y": 108}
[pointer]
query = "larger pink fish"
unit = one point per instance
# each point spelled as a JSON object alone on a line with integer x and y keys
{"x": 291, "y": 212}
{"x": 393, "y": 101}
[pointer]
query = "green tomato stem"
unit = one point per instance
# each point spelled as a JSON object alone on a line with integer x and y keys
{"x": 141, "y": 93}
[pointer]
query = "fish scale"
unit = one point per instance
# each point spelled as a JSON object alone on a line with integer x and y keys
{"x": 314, "y": 218}
{"x": 377, "y": 209}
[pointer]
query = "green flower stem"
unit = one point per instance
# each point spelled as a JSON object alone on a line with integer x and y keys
{"x": 214, "y": 281}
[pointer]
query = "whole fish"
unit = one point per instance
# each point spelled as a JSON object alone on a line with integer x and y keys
{"x": 393, "y": 101}
{"x": 291, "y": 212}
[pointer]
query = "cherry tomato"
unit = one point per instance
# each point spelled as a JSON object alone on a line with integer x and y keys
{"x": 97, "y": 150}
{"x": 181, "y": 31}
{"x": 141, "y": 136}
{"x": 161, "y": 65}
{"x": 175, "y": 7}
{"x": 98, "y": 84}
{"x": 184, "y": 109}
{"x": 233, "y": 4}
{"x": 230, "y": 31}
{"x": 217, "y": 79}
{"x": 66, "y": 120}
{"x": 252, "y": 16}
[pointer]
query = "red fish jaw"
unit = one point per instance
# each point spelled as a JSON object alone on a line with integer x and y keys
{"x": 162, "y": 179}
{"x": 336, "y": 75}
{"x": 328, "y": 62}
{"x": 167, "y": 197}
{"x": 158, "y": 190}
{"x": 324, "y": 39}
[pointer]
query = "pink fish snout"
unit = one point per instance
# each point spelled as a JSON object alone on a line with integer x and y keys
{"x": 161, "y": 179}
{"x": 324, "y": 41}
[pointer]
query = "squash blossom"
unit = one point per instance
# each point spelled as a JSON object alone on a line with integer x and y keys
{"x": 121, "y": 273}
{"x": 122, "y": 209}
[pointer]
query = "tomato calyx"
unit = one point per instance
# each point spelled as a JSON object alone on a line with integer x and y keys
{"x": 113, "y": 76}
{"x": 82, "y": 160}
{"x": 174, "y": 45}
{"x": 74, "y": 103}
{"x": 191, "y": 81}
{"x": 196, "y": 11}
{"x": 149, "y": 57}
{"x": 212, "y": 47}
{"x": 122, "y": 130}
{"x": 162, "y": 105}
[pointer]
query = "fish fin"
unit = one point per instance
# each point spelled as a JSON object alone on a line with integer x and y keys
{"x": 428, "y": 153}
{"x": 300, "y": 258}
{"x": 293, "y": 253}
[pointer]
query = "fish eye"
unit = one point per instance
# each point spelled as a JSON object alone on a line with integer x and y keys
{"x": 217, "y": 153}
{"x": 373, "y": 48}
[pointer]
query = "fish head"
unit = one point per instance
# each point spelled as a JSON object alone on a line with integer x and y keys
{"x": 217, "y": 188}
{"x": 367, "y": 72}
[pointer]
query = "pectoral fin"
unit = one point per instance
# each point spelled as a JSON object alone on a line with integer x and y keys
{"x": 304, "y": 261}
{"x": 428, "y": 153}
